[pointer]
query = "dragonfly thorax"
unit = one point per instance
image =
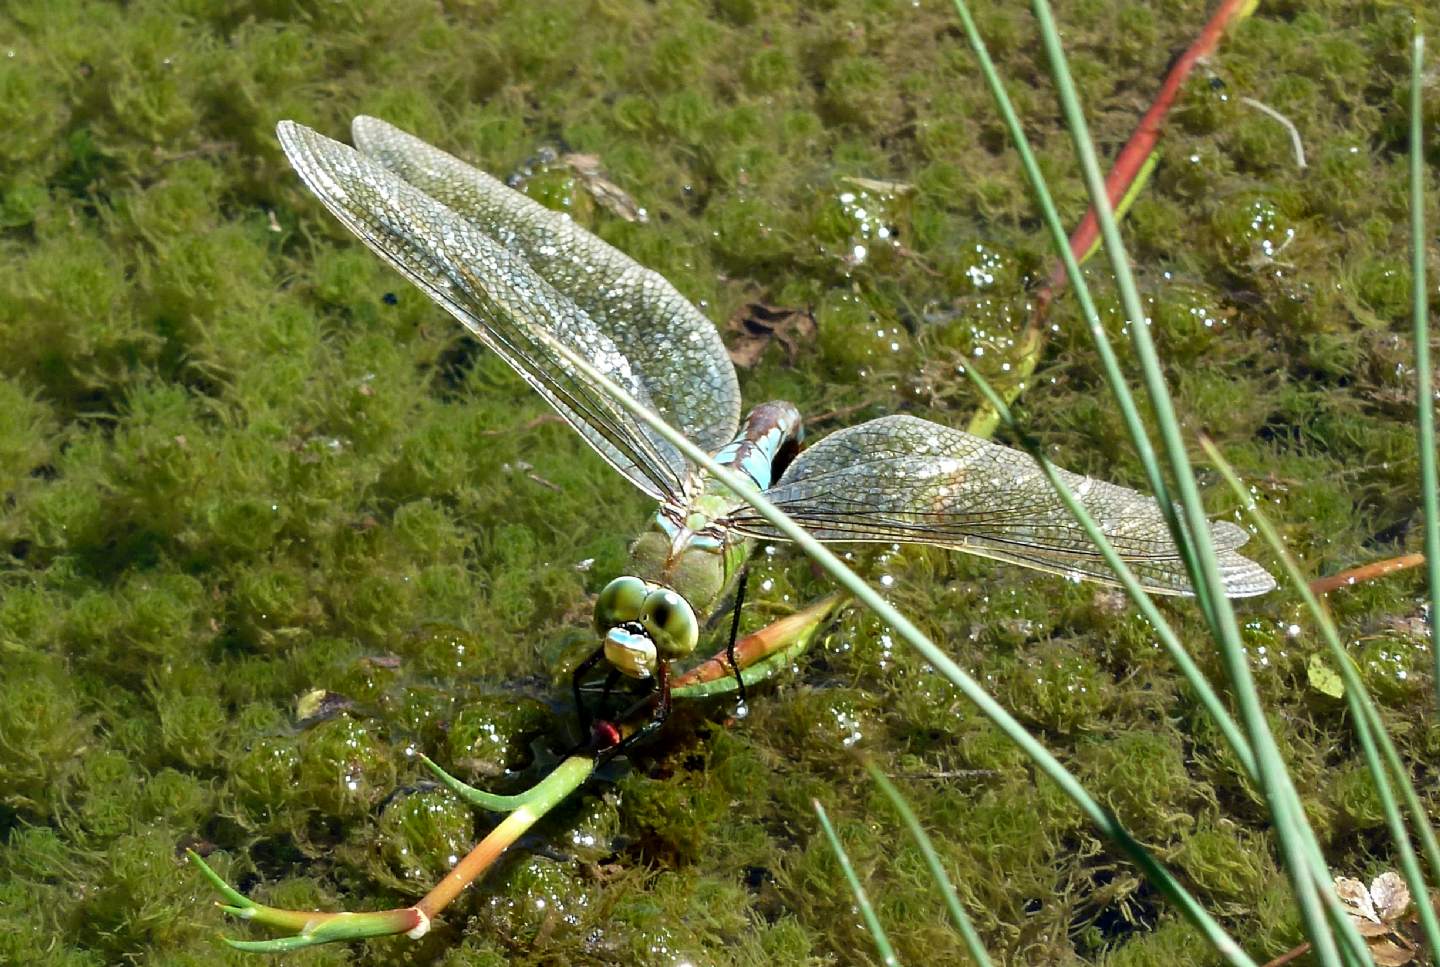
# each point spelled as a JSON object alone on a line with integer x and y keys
{"x": 690, "y": 551}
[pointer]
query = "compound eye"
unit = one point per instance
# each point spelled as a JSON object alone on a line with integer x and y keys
{"x": 620, "y": 601}
{"x": 670, "y": 622}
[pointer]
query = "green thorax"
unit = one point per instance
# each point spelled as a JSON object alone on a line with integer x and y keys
{"x": 690, "y": 552}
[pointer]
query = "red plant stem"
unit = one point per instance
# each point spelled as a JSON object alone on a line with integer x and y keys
{"x": 476, "y": 861}
{"x": 1131, "y": 162}
{"x": 1366, "y": 572}
{"x": 759, "y": 645}
{"x": 1147, "y": 132}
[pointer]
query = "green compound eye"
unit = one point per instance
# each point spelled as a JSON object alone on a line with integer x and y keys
{"x": 670, "y": 622}
{"x": 619, "y": 601}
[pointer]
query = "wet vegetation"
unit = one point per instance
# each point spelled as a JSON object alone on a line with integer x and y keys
{"x": 242, "y": 461}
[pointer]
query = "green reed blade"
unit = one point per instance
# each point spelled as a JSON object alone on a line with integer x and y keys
{"x": 1168, "y": 639}
{"x": 862, "y": 900}
{"x": 1424, "y": 386}
{"x": 937, "y": 871}
{"x": 1368, "y": 726}
{"x": 1299, "y": 849}
{"x": 1114, "y": 378}
{"x": 1147, "y": 168}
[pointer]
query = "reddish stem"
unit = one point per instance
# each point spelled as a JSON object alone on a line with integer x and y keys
{"x": 1366, "y": 572}
{"x": 477, "y": 861}
{"x": 1147, "y": 132}
{"x": 1294, "y": 953}
{"x": 758, "y": 645}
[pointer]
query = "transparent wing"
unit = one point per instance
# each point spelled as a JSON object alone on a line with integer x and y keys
{"x": 904, "y": 479}
{"x": 496, "y": 295}
{"x": 675, "y": 350}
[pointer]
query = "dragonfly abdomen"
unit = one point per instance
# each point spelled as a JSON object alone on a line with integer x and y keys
{"x": 767, "y": 442}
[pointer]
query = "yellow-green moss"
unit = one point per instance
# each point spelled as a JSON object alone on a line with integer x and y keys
{"x": 241, "y": 460}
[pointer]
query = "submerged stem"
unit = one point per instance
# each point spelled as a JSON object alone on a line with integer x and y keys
{"x": 546, "y": 794}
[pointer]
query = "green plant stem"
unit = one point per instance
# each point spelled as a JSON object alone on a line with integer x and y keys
{"x": 478, "y": 797}
{"x": 1168, "y": 639}
{"x": 549, "y": 792}
{"x": 862, "y": 900}
{"x": 1424, "y": 386}
{"x": 310, "y": 927}
{"x": 1298, "y": 848}
{"x": 1368, "y": 726}
{"x": 1114, "y": 377}
{"x": 937, "y": 870}
{"x": 1122, "y": 207}
{"x": 313, "y": 927}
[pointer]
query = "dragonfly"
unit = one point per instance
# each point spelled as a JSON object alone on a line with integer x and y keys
{"x": 521, "y": 278}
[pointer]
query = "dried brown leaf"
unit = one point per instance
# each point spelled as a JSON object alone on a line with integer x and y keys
{"x": 1390, "y": 895}
{"x": 1389, "y": 954}
{"x": 604, "y": 191}
{"x": 1369, "y": 928}
{"x": 1354, "y": 895}
{"x": 755, "y": 325}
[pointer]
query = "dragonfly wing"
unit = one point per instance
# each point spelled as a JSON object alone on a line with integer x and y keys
{"x": 908, "y": 480}
{"x": 495, "y": 294}
{"x": 672, "y": 346}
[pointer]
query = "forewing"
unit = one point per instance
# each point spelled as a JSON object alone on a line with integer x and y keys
{"x": 908, "y": 480}
{"x": 674, "y": 349}
{"x": 496, "y": 295}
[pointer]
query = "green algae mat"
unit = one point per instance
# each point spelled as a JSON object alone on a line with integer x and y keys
{"x": 274, "y": 527}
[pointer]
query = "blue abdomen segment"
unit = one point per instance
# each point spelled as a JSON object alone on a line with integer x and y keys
{"x": 768, "y": 439}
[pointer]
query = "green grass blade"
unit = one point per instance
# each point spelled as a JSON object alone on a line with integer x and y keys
{"x": 937, "y": 870}
{"x": 1152, "y": 161}
{"x": 1299, "y": 849}
{"x": 1368, "y": 726}
{"x": 1205, "y": 582}
{"x": 872, "y": 922}
{"x": 1424, "y": 385}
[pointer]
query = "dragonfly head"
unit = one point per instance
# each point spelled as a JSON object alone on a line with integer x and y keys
{"x": 644, "y": 624}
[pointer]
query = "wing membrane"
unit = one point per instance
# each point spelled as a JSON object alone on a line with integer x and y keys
{"x": 495, "y": 294}
{"x": 905, "y": 479}
{"x": 672, "y": 346}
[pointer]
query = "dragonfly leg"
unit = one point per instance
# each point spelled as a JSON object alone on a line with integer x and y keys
{"x": 659, "y": 703}
{"x": 735, "y": 633}
{"x": 610, "y": 681}
{"x": 581, "y": 670}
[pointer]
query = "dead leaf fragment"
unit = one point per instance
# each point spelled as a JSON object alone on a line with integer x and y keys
{"x": 1376, "y": 913}
{"x": 1390, "y": 954}
{"x": 877, "y": 186}
{"x": 756, "y": 324}
{"x": 1353, "y": 894}
{"x": 602, "y": 189}
{"x": 1390, "y": 895}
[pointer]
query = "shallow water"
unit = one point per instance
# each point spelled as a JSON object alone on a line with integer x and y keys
{"x": 243, "y": 460}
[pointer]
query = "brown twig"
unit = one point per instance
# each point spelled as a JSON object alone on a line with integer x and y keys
{"x": 1289, "y": 956}
{"x": 527, "y": 426}
{"x": 1366, "y": 572}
